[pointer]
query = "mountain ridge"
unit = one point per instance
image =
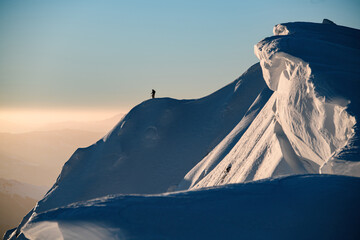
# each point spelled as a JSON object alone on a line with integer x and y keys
{"x": 285, "y": 116}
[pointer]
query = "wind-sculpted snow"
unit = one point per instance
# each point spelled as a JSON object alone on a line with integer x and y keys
{"x": 300, "y": 207}
{"x": 309, "y": 123}
{"x": 314, "y": 72}
{"x": 154, "y": 145}
{"x": 225, "y": 146}
{"x": 303, "y": 122}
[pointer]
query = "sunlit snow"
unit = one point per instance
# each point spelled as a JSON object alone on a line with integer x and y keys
{"x": 284, "y": 123}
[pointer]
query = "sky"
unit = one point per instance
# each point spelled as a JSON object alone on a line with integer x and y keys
{"x": 106, "y": 56}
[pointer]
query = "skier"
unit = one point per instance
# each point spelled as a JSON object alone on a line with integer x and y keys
{"x": 153, "y": 93}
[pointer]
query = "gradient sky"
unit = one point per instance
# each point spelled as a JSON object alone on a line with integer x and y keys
{"x": 109, "y": 54}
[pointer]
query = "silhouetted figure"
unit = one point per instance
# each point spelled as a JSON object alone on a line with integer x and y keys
{"x": 228, "y": 168}
{"x": 153, "y": 93}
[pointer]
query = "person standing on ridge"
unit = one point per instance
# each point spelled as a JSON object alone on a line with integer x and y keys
{"x": 153, "y": 93}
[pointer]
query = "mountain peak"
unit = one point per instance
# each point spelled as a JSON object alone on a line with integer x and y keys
{"x": 293, "y": 113}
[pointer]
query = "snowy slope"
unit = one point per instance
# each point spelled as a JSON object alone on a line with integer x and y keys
{"x": 155, "y": 144}
{"x": 309, "y": 123}
{"x": 304, "y": 121}
{"x": 298, "y": 207}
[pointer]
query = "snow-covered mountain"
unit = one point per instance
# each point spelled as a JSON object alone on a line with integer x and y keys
{"x": 294, "y": 113}
{"x": 157, "y": 143}
{"x": 309, "y": 123}
{"x": 288, "y": 208}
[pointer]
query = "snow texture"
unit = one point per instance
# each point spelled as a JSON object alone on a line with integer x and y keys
{"x": 309, "y": 123}
{"x": 155, "y": 144}
{"x": 293, "y": 113}
{"x": 300, "y": 207}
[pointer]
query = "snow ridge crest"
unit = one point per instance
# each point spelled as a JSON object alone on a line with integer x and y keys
{"x": 305, "y": 125}
{"x": 318, "y": 126}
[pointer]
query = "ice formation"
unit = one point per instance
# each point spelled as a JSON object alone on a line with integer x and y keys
{"x": 305, "y": 127}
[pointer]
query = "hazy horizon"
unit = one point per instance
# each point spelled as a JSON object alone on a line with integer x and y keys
{"x": 89, "y": 61}
{"x": 26, "y": 120}
{"x": 70, "y": 70}
{"x": 95, "y": 55}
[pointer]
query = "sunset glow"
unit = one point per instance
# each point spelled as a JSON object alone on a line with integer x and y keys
{"x": 31, "y": 119}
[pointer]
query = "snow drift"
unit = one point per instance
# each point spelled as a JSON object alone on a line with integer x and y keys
{"x": 300, "y": 207}
{"x": 153, "y": 147}
{"x": 309, "y": 123}
{"x": 155, "y": 144}
{"x": 293, "y": 113}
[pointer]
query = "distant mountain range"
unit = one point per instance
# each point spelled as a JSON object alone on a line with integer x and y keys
{"x": 92, "y": 126}
{"x": 16, "y": 199}
{"x": 37, "y": 157}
